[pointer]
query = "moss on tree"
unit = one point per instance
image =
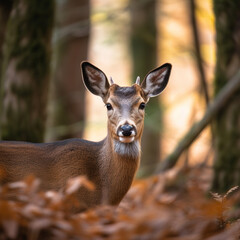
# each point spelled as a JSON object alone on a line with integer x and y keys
{"x": 26, "y": 70}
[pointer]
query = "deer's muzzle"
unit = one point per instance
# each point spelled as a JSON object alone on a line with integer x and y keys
{"x": 126, "y": 133}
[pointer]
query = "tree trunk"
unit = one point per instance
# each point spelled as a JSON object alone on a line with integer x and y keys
{"x": 69, "y": 92}
{"x": 227, "y": 123}
{"x": 26, "y": 69}
{"x": 144, "y": 55}
{"x": 5, "y": 9}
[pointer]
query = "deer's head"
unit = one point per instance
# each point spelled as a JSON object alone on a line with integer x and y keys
{"x": 125, "y": 105}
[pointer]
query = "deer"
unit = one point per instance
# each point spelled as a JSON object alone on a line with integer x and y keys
{"x": 110, "y": 164}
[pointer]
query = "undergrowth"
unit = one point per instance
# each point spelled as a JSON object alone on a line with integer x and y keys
{"x": 173, "y": 205}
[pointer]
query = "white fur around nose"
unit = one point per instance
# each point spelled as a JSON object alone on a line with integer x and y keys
{"x": 126, "y": 139}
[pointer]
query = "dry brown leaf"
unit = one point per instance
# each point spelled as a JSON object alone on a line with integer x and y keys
{"x": 74, "y": 184}
{"x": 233, "y": 189}
{"x": 11, "y": 228}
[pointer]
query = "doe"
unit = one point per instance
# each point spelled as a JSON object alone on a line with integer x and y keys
{"x": 110, "y": 164}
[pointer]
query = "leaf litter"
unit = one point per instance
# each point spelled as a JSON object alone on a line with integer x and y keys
{"x": 175, "y": 205}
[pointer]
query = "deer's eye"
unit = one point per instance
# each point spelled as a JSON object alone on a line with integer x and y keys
{"x": 142, "y": 106}
{"x": 109, "y": 106}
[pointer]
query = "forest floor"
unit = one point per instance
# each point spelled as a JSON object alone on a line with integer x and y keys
{"x": 176, "y": 205}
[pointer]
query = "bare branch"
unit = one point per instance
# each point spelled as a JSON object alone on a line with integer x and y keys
{"x": 214, "y": 108}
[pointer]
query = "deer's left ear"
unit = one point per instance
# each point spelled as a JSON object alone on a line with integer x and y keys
{"x": 156, "y": 80}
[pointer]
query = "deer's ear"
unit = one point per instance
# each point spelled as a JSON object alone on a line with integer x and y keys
{"x": 156, "y": 80}
{"x": 94, "y": 79}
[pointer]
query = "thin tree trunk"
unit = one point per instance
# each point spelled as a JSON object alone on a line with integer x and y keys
{"x": 144, "y": 55}
{"x": 26, "y": 70}
{"x": 227, "y": 123}
{"x": 69, "y": 93}
{"x": 199, "y": 61}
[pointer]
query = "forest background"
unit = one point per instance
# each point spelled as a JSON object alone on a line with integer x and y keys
{"x": 195, "y": 124}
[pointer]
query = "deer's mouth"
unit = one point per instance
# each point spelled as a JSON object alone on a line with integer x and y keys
{"x": 126, "y": 139}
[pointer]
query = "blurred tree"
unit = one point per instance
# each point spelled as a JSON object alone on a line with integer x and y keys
{"x": 5, "y": 9}
{"x": 73, "y": 27}
{"x": 26, "y": 68}
{"x": 144, "y": 57}
{"x": 227, "y": 123}
{"x": 197, "y": 50}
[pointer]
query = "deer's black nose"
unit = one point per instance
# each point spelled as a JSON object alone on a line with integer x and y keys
{"x": 126, "y": 130}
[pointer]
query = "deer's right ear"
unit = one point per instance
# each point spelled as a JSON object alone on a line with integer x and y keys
{"x": 94, "y": 79}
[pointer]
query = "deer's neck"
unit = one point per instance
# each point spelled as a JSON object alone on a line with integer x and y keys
{"x": 121, "y": 161}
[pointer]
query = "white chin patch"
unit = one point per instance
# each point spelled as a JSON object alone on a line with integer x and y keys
{"x": 126, "y": 139}
{"x": 127, "y": 149}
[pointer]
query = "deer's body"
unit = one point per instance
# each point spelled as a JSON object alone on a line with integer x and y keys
{"x": 54, "y": 163}
{"x": 110, "y": 164}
